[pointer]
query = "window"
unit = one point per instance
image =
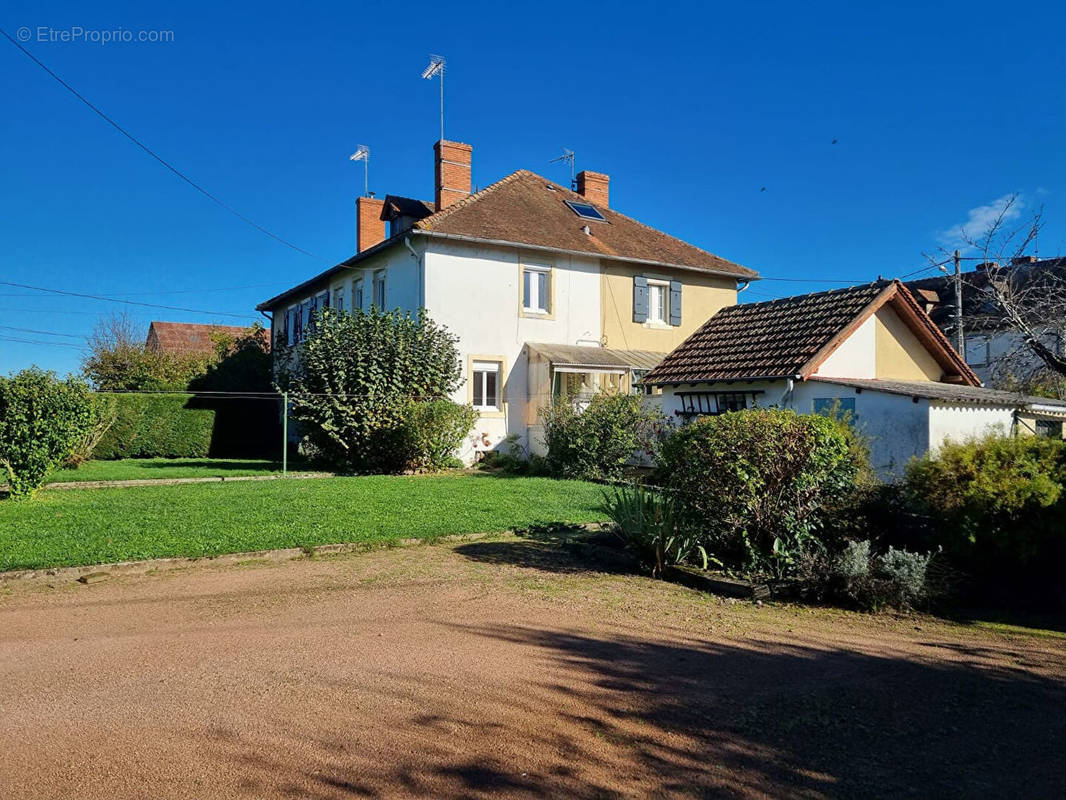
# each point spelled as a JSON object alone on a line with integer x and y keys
{"x": 357, "y": 294}
{"x": 658, "y": 302}
{"x": 977, "y": 351}
{"x": 338, "y": 298}
{"x": 703, "y": 403}
{"x": 585, "y": 210}
{"x": 292, "y": 324}
{"x": 379, "y": 289}
{"x": 536, "y": 289}
{"x": 1049, "y": 428}
{"x": 486, "y": 385}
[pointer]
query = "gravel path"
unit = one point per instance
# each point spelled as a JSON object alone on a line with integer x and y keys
{"x": 503, "y": 667}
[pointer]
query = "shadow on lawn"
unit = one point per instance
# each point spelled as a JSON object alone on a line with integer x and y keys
{"x": 215, "y": 465}
{"x": 614, "y": 715}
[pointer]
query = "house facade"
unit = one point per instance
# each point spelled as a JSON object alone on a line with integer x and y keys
{"x": 869, "y": 352}
{"x": 550, "y": 291}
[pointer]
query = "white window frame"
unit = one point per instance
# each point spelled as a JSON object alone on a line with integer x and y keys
{"x": 655, "y": 285}
{"x": 379, "y": 289}
{"x": 479, "y": 371}
{"x": 357, "y": 294}
{"x": 543, "y": 275}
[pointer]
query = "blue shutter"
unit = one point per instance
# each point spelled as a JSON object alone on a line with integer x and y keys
{"x": 640, "y": 298}
{"x": 675, "y": 303}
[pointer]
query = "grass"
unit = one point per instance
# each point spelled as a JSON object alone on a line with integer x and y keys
{"x": 95, "y": 526}
{"x": 149, "y": 468}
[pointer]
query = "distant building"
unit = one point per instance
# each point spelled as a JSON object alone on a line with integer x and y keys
{"x": 994, "y": 351}
{"x": 187, "y": 338}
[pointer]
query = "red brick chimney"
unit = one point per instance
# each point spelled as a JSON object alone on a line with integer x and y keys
{"x": 451, "y": 172}
{"x": 369, "y": 226}
{"x": 593, "y": 186}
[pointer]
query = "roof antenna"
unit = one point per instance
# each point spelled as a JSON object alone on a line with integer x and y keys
{"x": 569, "y": 157}
{"x": 362, "y": 153}
{"x": 436, "y": 69}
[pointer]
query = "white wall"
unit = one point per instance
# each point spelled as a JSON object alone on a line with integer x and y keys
{"x": 857, "y": 355}
{"x": 474, "y": 290}
{"x": 896, "y": 427}
{"x": 958, "y": 422}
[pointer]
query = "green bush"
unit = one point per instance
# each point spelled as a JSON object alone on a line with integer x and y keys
{"x": 436, "y": 429}
{"x": 157, "y": 426}
{"x": 598, "y": 442}
{"x": 856, "y": 576}
{"x": 352, "y": 380}
{"x": 42, "y": 420}
{"x": 649, "y": 524}
{"x": 995, "y": 504}
{"x": 759, "y": 484}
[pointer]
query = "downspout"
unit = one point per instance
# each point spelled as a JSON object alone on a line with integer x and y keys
{"x": 421, "y": 272}
{"x": 741, "y": 288}
{"x": 790, "y": 384}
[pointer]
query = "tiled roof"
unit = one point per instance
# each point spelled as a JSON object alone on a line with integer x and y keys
{"x": 187, "y": 338}
{"x": 946, "y": 392}
{"x": 526, "y": 209}
{"x": 792, "y": 336}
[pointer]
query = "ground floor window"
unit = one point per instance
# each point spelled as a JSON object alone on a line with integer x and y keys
{"x": 379, "y": 289}
{"x": 485, "y": 383}
{"x": 836, "y": 407}
{"x": 694, "y": 404}
{"x": 1049, "y": 428}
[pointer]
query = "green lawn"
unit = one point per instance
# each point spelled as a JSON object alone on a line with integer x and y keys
{"x": 146, "y": 468}
{"x": 92, "y": 526}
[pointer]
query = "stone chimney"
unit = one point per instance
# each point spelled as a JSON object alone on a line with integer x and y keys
{"x": 593, "y": 186}
{"x": 369, "y": 226}
{"x": 451, "y": 172}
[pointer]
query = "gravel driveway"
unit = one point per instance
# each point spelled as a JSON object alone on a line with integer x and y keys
{"x": 504, "y": 667}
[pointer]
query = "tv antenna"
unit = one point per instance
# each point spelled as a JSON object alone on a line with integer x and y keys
{"x": 569, "y": 157}
{"x": 362, "y": 153}
{"x": 436, "y": 70}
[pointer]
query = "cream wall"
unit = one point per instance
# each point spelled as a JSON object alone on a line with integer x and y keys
{"x": 475, "y": 290}
{"x": 900, "y": 356}
{"x": 702, "y": 296}
{"x": 882, "y": 347}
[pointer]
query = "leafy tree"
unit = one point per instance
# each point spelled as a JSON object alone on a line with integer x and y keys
{"x": 352, "y": 379}
{"x": 43, "y": 419}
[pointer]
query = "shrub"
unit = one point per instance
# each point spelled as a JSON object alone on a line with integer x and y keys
{"x": 596, "y": 443}
{"x": 904, "y": 575}
{"x": 436, "y": 429}
{"x": 353, "y": 378}
{"x": 649, "y": 524}
{"x": 994, "y": 504}
{"x": 106, "y": 412}
{"x": 856, "y": 576}
{"x": 157, "y": 426}
{"x": 759, "y": 484}
{"x": 42, "y": 419}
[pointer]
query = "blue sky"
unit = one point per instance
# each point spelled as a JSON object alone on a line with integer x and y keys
{"x": 937, "y": 109}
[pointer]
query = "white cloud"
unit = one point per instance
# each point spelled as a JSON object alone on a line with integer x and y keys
{"x": 980, "y": 219}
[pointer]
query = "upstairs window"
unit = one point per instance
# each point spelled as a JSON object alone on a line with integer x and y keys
{"x": 379, "y": 289}
{"x": 485, "y": 383}
{"x": 658, "y": 302}
{"x": 536, "y": 289}
{"x": 977, "y": 351}
{"x": 338, "y": 298}
{"x": 357, "y": 294}
{"x": 585, "y": 210}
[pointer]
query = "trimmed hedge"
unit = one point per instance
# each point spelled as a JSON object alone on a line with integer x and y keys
{"x": 157, "y": 426}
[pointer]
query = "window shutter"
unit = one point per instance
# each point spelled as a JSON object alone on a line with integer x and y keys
{"x": 675, "y": 303}
{"x": 640, "y": 298}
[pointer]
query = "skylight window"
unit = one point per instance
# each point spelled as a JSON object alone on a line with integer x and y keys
{"x": 585, "y": 211}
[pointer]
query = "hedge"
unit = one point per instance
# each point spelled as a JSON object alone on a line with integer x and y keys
{"x": 157, "y": 426}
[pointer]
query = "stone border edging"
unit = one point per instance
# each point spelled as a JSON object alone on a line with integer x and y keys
{"x": 92, "y": 573}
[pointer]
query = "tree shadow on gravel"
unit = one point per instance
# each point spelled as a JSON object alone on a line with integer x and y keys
{"x": 621, "y": 715}
{"x": 555, "y": 547}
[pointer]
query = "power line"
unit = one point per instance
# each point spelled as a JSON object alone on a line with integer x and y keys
{"x": 167, "y": 291}
{"x": 46, "y": 333}
{"x": 150, "y": 152}
{"x": 37, "y": 341}
{"x": 127, "y": 302}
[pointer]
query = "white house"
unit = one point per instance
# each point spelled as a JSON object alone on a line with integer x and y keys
{"x": 550, "y": 291}
{"x": 870, "y": 351}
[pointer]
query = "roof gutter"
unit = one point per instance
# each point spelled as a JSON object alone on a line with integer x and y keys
{"x": 544, "y": 249}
